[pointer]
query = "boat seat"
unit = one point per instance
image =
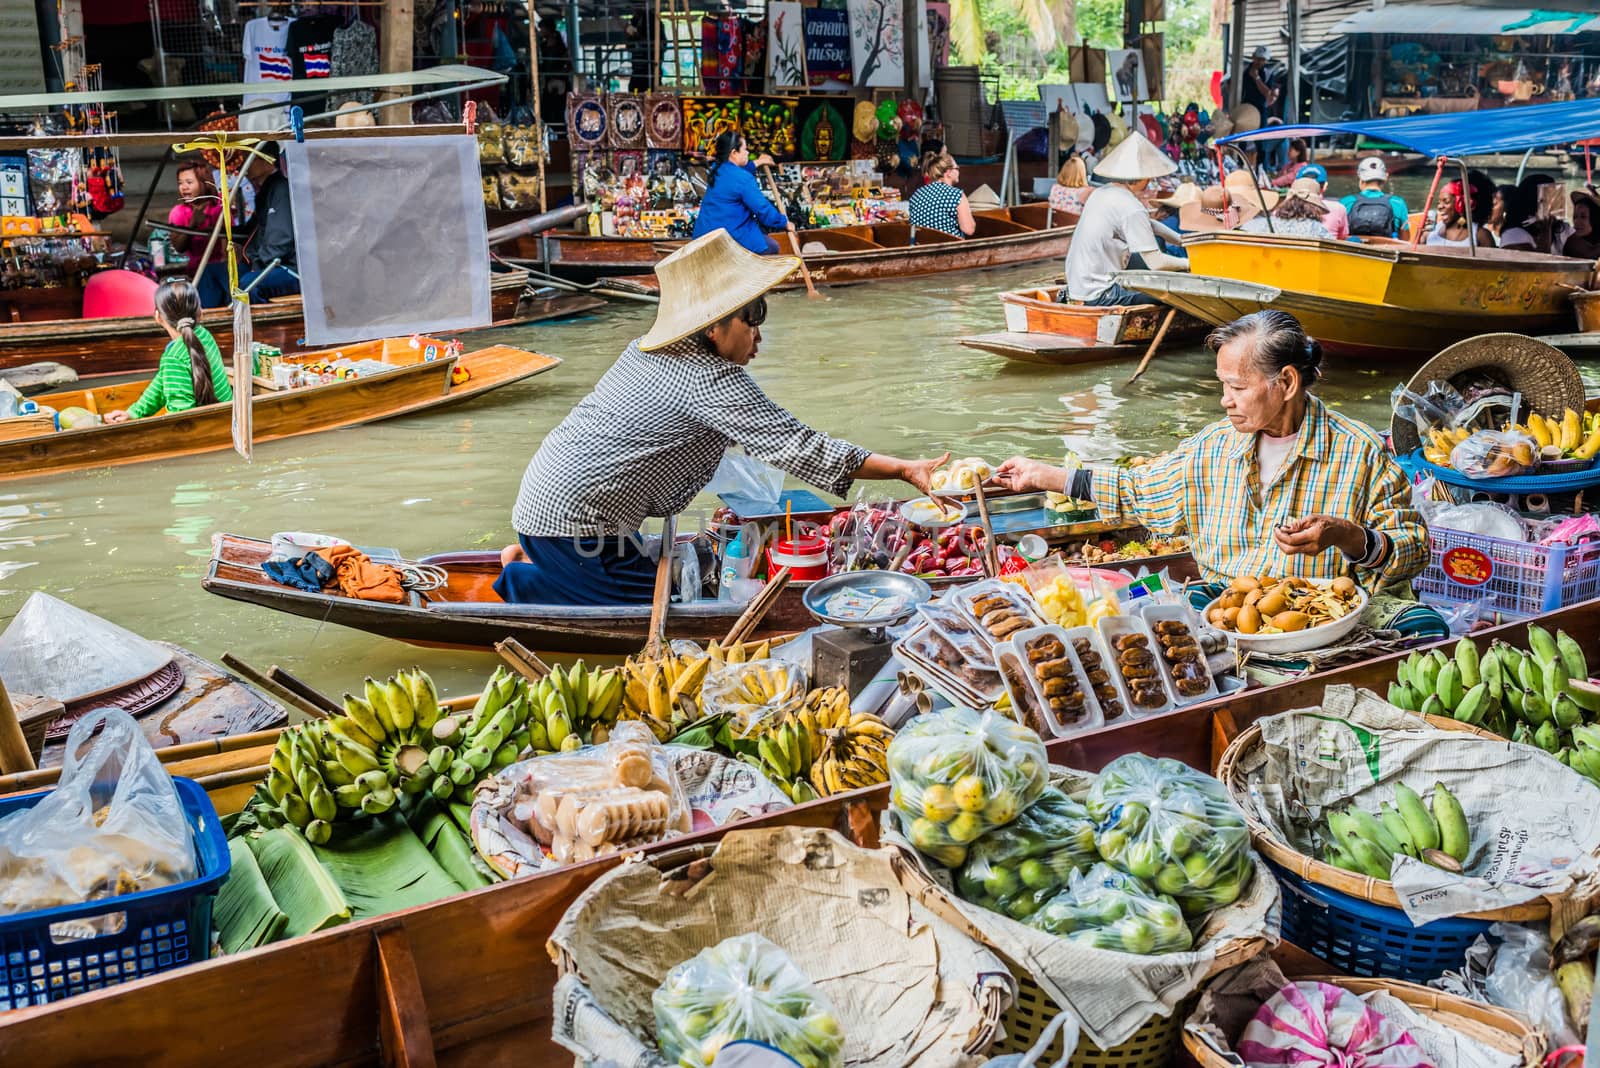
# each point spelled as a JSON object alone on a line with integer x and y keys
{"x": 114, "y": 294}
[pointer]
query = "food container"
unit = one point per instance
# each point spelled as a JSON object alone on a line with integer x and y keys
{"x": 983, "y": 595}
{"x": 1094, "y": 659}
{"x": 943, "y": 666}
{"x": 1298, "y": 641}
{"x": 1174, "y": 616}
{"x": 933, "y": 514}
{"x": 806, "y": 557}
{"x": 1113, "y": 628}
{"x": 960, "y": 630}
{"x": 1028, "y": 697}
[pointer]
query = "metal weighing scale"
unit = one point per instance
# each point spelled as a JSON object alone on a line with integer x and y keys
{"x": 864, "y": 605}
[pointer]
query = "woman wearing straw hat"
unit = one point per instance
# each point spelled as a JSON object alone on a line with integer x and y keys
{"x": 1115, "y": 226}
{"x": 650, "y": 435}
{"x": 1300, "y": 214}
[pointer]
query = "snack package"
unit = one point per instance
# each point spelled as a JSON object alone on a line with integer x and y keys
{"x": 1164, "y": 822}
{"x": 113, "y": 824}
{"x": 1309, "y": 1024}
{"x": 1109, "y": 909}
{"x": 744, "y": 989}
{"x": 602, "y": 798}
{"x": 1495, "y": 454}
{"x": 753, "y": 692}
{"x": 1056, "y": 591}
{"x": 957, "y": 773}
{"x": 1016, "y": 868}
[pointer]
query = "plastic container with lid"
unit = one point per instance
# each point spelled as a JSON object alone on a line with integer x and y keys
{"x": 1020, "y": 668}
{"x": 806, "y": 557}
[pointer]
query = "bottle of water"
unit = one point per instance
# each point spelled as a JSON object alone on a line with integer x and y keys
{"x": 735, "y": 566}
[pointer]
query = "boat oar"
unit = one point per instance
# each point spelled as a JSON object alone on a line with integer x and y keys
{"x": 15, "y": 755}
{"x": 261, "y": 681}
{"x": 656, "y": 643}
{"x": 1155, "y": 343}
{"x": 304, "y": 689}
{"x": 757, "y": 609}
{"x": 522, "y": 659}
{"x": 794, "y": 243}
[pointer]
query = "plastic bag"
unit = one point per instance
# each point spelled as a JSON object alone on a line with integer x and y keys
{"x": 1056, "y": 591}
{"x": 113, "y": 825}
{"x": 744, "y": 989}
{"x": 1016, "y": 868}
{"x": 957, "y": 773}
{"x": 742, "y": 477}
{"x": 1495, "y": 454}
{"x": 753, "y": 692}
{"x": 1307, "y": 1024}
{"x": 1520, "y": 979}
{"x": 1109, "y": 909}
{"x": 601, "y": 798}
{"x": 1165, "y": 822}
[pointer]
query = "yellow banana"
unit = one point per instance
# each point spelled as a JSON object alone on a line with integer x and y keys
{"x": 1539, "y": 429}
{"x": 1570, "y": 432}
{"x": 1590, "y": 446}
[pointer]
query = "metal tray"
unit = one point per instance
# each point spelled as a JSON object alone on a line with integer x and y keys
{"x": 907, "y": 590}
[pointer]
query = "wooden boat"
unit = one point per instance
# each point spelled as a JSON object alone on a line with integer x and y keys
{"x": 1376, "y": 297}
{"x": 467, "y": 980}
{"x": 133, "y": 343}
{"x": 1041, "y": 330}
{"x": 1004, "y": 236}
{"x": 415, "y": 384}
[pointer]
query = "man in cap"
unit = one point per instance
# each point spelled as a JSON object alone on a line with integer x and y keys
{"x": 1115, "y": 226}
{"x": 1375, "y": 212}
{"x": 1337, "y": 222}
{"x": 1258, "y": 90}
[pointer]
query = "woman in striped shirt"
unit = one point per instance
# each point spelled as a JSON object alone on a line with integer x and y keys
{"x": 191, "y": 374}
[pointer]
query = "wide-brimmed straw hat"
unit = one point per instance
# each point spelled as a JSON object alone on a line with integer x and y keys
{"x": 1545, "y": 376}
{"x": 708, "y": 280}
{"x": 1309, "y": 190}
{"x": 1246, "y": 117}
{"x": 1187, "y": 193}
{"x": 1202, "y": 213}
{"x": 1134, "y": 160}
{"x": 1244, "y": 190}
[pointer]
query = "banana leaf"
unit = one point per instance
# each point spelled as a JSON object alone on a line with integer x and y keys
{"x": 453, "y": 850}
{"x": 299, "y": 884}
{"x": 383, "y": 867}
{"x": 246, "y": 914}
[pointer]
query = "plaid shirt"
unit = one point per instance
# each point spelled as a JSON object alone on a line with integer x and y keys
{"x": 1211, "y": 485}
{"x": 650, "y": 436}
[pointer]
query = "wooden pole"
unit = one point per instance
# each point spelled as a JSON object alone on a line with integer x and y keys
{"x": 536, "y": 102}
{"x": 657, "y": 644}
{"x": 1155, "y": 343}
{"x": 395, "y": 39}
{"x": 1236, "y": 56}
{"x": 15, "y": 755}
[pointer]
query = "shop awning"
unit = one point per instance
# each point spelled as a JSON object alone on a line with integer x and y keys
{"x": 1467, "y": 133}
{"x": 1469, "y": 20}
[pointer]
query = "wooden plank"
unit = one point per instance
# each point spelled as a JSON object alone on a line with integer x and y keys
{"x": 163, "y": 138}
{"x": 395, "y": 42}
{"x": 403, "y": 1033}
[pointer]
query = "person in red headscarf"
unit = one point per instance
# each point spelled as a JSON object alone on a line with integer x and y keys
{"x": 1454, "y": 228}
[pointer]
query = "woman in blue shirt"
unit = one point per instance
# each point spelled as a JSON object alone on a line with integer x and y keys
{"x": 734, "y": 201}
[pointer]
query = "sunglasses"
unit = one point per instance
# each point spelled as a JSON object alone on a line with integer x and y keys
{"x": 754, "y": 313}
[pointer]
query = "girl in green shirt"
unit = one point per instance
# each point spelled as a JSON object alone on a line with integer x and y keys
{"x": 191, "y": 373}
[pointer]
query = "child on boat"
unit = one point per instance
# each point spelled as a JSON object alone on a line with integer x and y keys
{"x": 191, "y": 374}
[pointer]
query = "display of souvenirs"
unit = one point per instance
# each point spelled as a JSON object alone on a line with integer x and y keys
{"x": 587, "y": 121}
{"x": 627, "y": 115}
{"x": 824, "y": 128}
{"x": 704, "y": 118}
{"x": 769, "y": 125}
{"x": 663, "y": 121}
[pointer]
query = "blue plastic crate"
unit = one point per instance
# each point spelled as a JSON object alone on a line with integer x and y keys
{"x": 1361, "y": 938}
{"x": 163, "y": 928}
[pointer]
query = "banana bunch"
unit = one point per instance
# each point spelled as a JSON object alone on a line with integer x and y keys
{"x": 855, "y": 755}
{"x": 573, "y": 707}
{"x": 1576, "y": 434}
{"x": 1435, "y": 833}
{"x": 823, "y": 747}
{"x": 665, "y": 692}
{"x": 1440, "y": 443}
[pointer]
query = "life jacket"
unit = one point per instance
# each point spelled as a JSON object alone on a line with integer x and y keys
{"x": 1372, "y": 217}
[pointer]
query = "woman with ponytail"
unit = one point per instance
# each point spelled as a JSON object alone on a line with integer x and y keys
{"x": 191, "y": 374}
{"x": 733, "y": 199}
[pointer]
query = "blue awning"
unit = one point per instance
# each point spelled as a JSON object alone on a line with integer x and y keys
{"x": 1466, "y": 133}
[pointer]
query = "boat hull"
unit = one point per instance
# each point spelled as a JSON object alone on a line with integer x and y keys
{"x": 1041, "y": 330}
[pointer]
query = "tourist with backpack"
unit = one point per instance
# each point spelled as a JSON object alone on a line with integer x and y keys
{"x": 1375, "y": 212}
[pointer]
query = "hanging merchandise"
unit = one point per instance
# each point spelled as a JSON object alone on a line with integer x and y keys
{"x": 721, "y": 54}
{"x": 310, "y": 48}
{"x": 627, "y": 120}
{"x": 827, "y": 37}
{"x": 824, "y": 129}
{"x": 704, "y": 118}
{"x": 587, "y": 121}
{"x": 266, "y": 59}
{"x": 663, "y": 121}
{"x": 355, "y": 53}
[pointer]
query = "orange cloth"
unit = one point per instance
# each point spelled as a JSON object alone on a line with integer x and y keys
{"x": 359, "y": 577}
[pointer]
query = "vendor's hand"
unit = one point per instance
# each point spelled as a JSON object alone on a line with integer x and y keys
{"x": 1319, "y": 533}
{"x": 919, "y": 473}
{"x": 1022, "y": 475}
{"x": 117, "y": 416}
{"x": 764, "y": 160}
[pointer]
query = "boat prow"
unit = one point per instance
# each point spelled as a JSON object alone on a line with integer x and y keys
{"x": 1042, "y": 328}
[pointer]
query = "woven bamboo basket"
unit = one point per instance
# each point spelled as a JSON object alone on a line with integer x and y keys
{"x": 1503, "y": 1030}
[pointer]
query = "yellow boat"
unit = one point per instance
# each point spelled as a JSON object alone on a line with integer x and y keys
{"x": 1372, "y": 298}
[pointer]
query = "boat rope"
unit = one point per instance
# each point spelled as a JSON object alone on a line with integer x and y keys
{"x": 420, "y": 577}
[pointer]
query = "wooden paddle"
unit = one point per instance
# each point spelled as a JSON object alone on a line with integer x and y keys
{"x": 991, "y": 556}
{"x": 262, "y": 681}
{"x": 656, "y": 645}
{"x": 757, "y": 609}
{"x": 1155, "y": 343}
{"x": 794, "y": 242}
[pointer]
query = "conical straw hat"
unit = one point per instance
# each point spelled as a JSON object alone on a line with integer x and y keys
{"x": 54, "y": 649}
{"x": 1133, "y": 160}
{"x": 708, "y": 280}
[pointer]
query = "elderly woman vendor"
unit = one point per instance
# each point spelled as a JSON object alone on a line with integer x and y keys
{"x": 651, "y": 434}
{"x": 1282, "y": 486}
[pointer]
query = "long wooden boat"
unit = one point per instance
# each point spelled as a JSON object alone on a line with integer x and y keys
{"x": 467, "y": 980}
{"x": 1040, "y": 329}
{"x": 1375, "y": 297}
{"x": 1004, "y": 236}
{"x": 133, "y": 343}
{"x": 417, "y": 383}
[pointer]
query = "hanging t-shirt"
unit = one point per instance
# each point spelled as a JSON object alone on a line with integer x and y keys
{"x": 310, "y": 47}
{"x": 355, "y": 52}
{"x": 266, "y": 59}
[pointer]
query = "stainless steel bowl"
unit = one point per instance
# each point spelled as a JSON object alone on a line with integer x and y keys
{"x": 871, "y": 600}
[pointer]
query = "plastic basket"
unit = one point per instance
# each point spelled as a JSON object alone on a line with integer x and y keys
{"x": 1366, "y": 939}
{"x": 1517, "y": 578}
{"x": 162, "y": 929}
{"x": 1152, "y": 1046}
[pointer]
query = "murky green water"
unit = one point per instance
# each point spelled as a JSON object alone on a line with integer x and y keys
{"x": 877, "y": 364}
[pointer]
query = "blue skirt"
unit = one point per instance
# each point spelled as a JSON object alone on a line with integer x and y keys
{"x": 578, "y": 571}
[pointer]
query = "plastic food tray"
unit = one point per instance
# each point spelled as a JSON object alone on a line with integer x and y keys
{"x": 927, "y": 650}
{"x": 1098, "y": 646}
{"x": 1182, "y": 613}
{"x": 1012, "y": 657}
{"x": 1113, "y": 627}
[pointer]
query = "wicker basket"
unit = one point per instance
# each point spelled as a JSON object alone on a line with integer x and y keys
{"x": 1492, "y": 1026}
{"x": 1152, "y": 1046}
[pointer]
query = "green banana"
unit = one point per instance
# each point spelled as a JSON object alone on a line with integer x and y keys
{"x": 378, "y": 802}
{"x": 425, "y": 697}
{"x": 1427, "y": 676}
{"x": 1491, "y": 674}
{"x": 1515, "y": 698}
{"x": 297, "y": 810}
{"x": 440, "y": 758}
{"x": 1432, "y": 706}
{"x": 1449, "y": 686}
{"x": 578, "y": 681}
{"x": 447, "y": 731}
{"x": 357, "y": 759}
{"x": 1586, "y": 762}
{"x": 1554, "y": 679}
{"x": 1395, "y": 824}
{"x": 1530, "y": 672}
{"x": 1542, "y": 645}
{"x": 1571, "y": 654}
{"x": 558, "y": 727}
{"x": 1547, "y": 737}
{"x": 1521, "y": 734}
{"x": 1372, "y": 829}
{"x": 1475, "y": 705}
{"x": 347, "y": 727}
{"x": 1467, "y": 663}
{"x": 279, "y": 785}
{"x": 323, "y": 805}
{"x": 1586, "y": 693}
{"x": 1536, "y": 711}
{"x": 348, "y": 796}
{"x": 1424, "y": 831}
{"x": 478, "y": 759}
{"x": 1339, "y": 857}
{"x": 1454, "y": 838}
{"x": 538, "y": 736}
{"x": 1369, "y": 858}
{"x": 319, "y": 832}
{"x": 378, "y": 697}
{"x": 1567, "y": 713}
{"x": 335, "y": 773}
{"x": 1402, "y": 671}
{"x": 442, "y": 787}
{"x": 1400, "y": 696}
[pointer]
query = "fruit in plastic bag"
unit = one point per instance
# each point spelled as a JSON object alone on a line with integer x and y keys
{"x": 1016, "y": 868}
{"x": 1164, "y": 822}
{"x": 1109, "y": 909}
{"x": 754, "y": 693}
{"x": 957, "y": 773}
{"x": 744, "y": 988}
{"x": 1494, "y": 454}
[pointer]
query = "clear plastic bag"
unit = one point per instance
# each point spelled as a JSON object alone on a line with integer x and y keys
{"x": 1109, "y": 909}
{"x": 743, "y": 477}
{"x": 1164, "y": 822}
{"x": 113, "y": 825}
{"x": 753, "y": 693}
{"x": 744, "y": 989}
{"x": 1016, "y": 868}
{"x": 957, "y": 773}
{"x": 1495, "y": 454}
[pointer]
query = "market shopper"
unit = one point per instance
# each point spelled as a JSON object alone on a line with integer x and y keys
{"x": 269, "y": 248}
{"x": 939, "y": 204}
{"x": 1585, "y": 240}
{"x": 1335, "y": 219}
{"x": 1115, "y": 226}
{"x": 198, "y": 208}
{"x": 1283, "y": 486}
{"x": 651, "y": 434}
{"x": 733, "y": 199}
{"x": 191, "y": 374}
{"x": 1374, "y": 211}
{"x": 1533, "y": 217}
{"x": 1072, "y": 187}
{"x": 1454, "y": 229}
{"x": 1300, "y": 214}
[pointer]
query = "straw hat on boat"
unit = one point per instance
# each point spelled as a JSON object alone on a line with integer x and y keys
{"x": 1134, "y": 160}
{"x": 1545, "y": 376}
{"x": 708, "y": 280}
{"x": 1205, "y": 212}
{"x": 1186, "y": 193}
{"x": 1246, "y": 117}
{"x": 1244, "y": 190}
{"x": 1309, "y": 190}
{"x": 983, "y": 197}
